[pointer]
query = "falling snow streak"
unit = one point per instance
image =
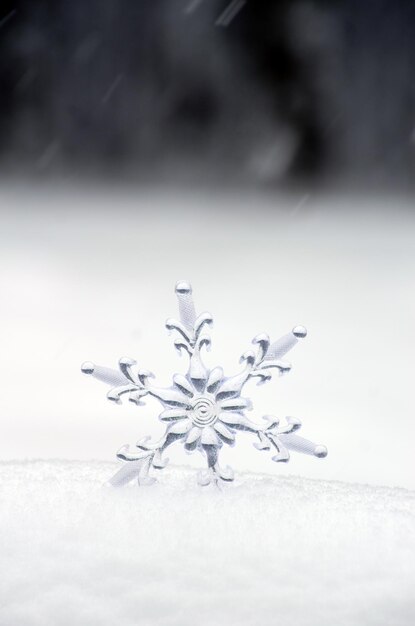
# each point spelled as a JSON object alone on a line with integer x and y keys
{"x": 112, "y": 88}
{"x": 192, "y": 6}
{"x": 8, "y": 17}
{"x": 230, "y": 13}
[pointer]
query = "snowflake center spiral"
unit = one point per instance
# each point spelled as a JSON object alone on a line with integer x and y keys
{"x": 204, "y": 411}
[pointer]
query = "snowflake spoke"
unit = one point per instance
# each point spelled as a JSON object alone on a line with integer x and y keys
{"x": 214, "y": 474}
{"x": 128, "y": 472}
{"x": 186, "y": 305}
{"x": 293, "y": 424}
{"x": 235, "y": 404}
{"x": 104, "y": 374}
{"x": 125, "y": 454}
{"x": 180, "y": 345}
{"x": 224, "y": 432}
{"x": 299, "y": 444}
{"x": 225, "y": 473}
{"x": 192, "y": 446}
{"x": 115, "y": 394}
{"x": 283, "y": 345}
{"x": 239, "y": 421}
{"x": 214, "y": 380}
{"x": 170, "y": 397}
{"x": 126, "y": 365}
{"x": 197, "y": 370}
{"x": 172, "y": 324}
{"x": 183, "y": 385}
{"x": 283, "y": 366}
{"x": 264, "y": 443}
{"x": 172, "y": 415}
{"x": 283, "y": 455}
{"x": 158, "y": 462}
{"x": 135, "y": 396}
{"x": 193, "y": 435}
{"x": 262, "y": 341}
{"x": 204, "y": 319}
{"x": 233, "y": 386}
{"x": 180, "y": 428}
{"x": 209, "y": 437}
{"x": 232, "y": 418}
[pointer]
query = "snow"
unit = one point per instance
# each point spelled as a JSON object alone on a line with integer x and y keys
{"x": 266, "y": 550}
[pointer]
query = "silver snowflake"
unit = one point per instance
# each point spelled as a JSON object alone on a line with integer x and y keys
{"x": 204, "y": 409}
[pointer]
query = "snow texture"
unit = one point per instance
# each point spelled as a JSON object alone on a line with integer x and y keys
{"x": 267, "y": 550}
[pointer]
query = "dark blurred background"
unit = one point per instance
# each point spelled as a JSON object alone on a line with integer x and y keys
{"x": 258, "y": 92}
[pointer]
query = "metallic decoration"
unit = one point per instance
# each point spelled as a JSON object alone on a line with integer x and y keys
{"x": 204, "y": 409}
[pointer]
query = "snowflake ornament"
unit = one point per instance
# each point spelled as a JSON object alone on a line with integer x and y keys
{"x": 204, "y": 409}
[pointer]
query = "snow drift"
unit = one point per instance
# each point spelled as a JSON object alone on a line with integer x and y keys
{"x": 266, "y": 550}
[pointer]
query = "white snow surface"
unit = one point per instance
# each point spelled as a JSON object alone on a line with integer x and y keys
{"x": 266, "y": 550}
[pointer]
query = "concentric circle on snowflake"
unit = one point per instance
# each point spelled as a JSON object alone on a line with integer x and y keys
{"x": 204, "y": 412}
